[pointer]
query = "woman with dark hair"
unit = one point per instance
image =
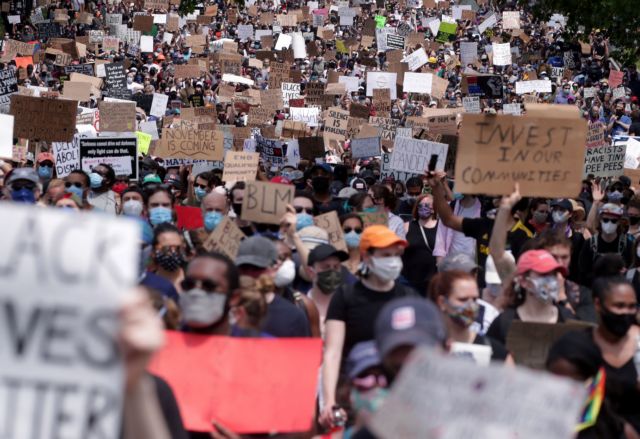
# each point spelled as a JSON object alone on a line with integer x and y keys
{"x": 385, "y": 200}
{"x": 456, "y": 294}
{"x": 169, "y": 254}
{"x": 617, "y": 335}
{"x": 360, "y": 202}
{"x": 536, "y": 222}
{"x": 419, "y": 264}
{"x": 352, "y": 227}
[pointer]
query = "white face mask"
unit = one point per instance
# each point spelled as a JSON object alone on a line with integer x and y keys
{"x": 132, "y": 207}
{"x": 285, "y": 274}
{"x": 560, "y": 217}
{"x": 201, "y": 309}
{"x": 387, "y": 268}
{"x": 608, "y": 228}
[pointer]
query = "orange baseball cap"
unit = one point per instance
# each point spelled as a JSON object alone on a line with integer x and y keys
{"x": 379, "y": 236}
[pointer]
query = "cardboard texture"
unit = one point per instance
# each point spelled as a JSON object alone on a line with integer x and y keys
{"x": 240, "y": 166}
{"x": 543, "y": 151}
{"x": 53, "y": 120}
{"x": 117, "y": 116}
{"x": 225, "y": 238}
{"x": 191, "y": 144}
{"x": 266, "y": 202}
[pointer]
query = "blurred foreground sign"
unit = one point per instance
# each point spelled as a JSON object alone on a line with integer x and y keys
{"x": 439, "y": 397}
{"x": 62, "y": 276}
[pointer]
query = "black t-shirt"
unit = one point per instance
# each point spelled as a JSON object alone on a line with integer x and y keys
{"x": 284, "y": 319}
{"x": 479, "y": 229}
{"x": 500, "y": 326}
{"x": 358, "y": 306}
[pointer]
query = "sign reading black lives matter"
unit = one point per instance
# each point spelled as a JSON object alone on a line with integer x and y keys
{"x": 62, "y": 374}
{"x": 119, "y": 152}
{"x": 8, "y": 86}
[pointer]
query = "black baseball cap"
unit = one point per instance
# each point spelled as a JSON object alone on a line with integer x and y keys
{"x": 325, "y": 251}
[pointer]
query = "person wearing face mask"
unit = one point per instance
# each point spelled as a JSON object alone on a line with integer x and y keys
{"x": 159, "y": 206}
{"x": 609, "y": 238}
{"x": 132, "y": 202}
{"x": 210, "y": 282}
{"x": 352, "y": 227}
{"x": 44, "y": 166}
{"x": 324, "y": 268}
{"x": 353, "y": 309}
{"x": 215, "y": 207}
{"x": 319, "y": 180}
{"x": 618, "y": 337}
{"x": 101, "y": 197}
{"x": 24, "y": 185}
{"x": 199, "y": 187}
{"x": 303, "y": 205}
{"x": 419, "y": 263}
{"x": 619, "y": 122}
{"x": 236, "y": 196}
{"x": 633, "y": 215}
{"x": 533, "y": 294}
{"x": 168, "y": 254}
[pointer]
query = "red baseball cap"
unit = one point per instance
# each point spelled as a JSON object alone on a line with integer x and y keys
{"x": 540, "y": 261}
{"x": 280, "y": 179}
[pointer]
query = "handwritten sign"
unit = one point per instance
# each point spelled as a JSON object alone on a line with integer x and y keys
{"x": 53, "y": 120}
{"x": 266, "y": 202}
{"x": 412, "y": 155}
{"x": 191, "y": 144}
{"x": 331, "y": 223}
{"x": 365, "y": 147}
{"x": 225, "y": 238}
{"x": 537, "y": 86}
{"x": 543, "y": 151}
{"x": 240, "y": 166}
{"x": 336, "y": 124}
{"x": 117, "y": 116}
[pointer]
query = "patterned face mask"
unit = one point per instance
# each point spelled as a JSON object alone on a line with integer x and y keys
{"x": 463, "y": 315}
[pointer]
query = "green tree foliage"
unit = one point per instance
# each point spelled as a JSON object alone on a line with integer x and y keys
{"x": 619, "y": 20}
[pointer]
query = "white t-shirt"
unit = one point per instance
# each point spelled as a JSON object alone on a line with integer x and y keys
{"x": 461, "y": 243}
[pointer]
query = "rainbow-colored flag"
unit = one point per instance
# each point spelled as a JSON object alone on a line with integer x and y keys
{"x": 593, "y": 402}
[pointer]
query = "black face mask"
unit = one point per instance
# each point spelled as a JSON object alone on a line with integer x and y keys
{"x": 237, "y": 208}
{"x": 617, "y": 324}
{"x": 619, "y": 112}
{"x": 633, "y": 220}
{"x": 320, "y": 184}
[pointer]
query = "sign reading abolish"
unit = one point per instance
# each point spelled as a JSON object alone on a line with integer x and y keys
{"x": 61, "y": 367}
{"x": 266, "y": 202}
{"x": 191, "y": 144}
{"x": 543, "y": 151}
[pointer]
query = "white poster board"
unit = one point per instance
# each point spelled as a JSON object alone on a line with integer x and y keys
{"x": 382, "y": 80}
{"x": 413, "y": 155}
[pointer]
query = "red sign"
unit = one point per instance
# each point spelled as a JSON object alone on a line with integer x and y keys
{"x": 248, "y": 385}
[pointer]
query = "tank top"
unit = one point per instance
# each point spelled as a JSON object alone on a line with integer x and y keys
{"x": 419, "y": 264}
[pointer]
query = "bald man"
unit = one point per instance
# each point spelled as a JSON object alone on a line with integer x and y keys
{"x": 215, "y": 206}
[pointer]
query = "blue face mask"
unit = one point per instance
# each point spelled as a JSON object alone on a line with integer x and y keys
{"x": 352, "y": 239}
{"x": 77, "y": 191}
{"x": 211, "y": 220}
{"x": 96, "y": 180}
{"x": 372, "y": 209}
{"x": 45, "y": 172}
{"x": 23, "y": 195}
{"x": 199, "y": 193}
{"x": 303, "y": 220}
{"x": 458, "y": 196}
{"x": 159, "y": 215}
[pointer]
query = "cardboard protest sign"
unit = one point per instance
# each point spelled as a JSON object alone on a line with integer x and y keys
{"x": 511, "y": 20}
{"x": 225, "y": 238}
{"x": 119, "y": 152}
{"x": 374, "y": 218}
{"x": 53, "y": 120}
{"x": 501, "y": 54}
{"x": 529, "y": 342}
{"x": 537, "y": 86}
{"x": 205, "y": 392}
{"x": 290, "y": 90}
{"x": 66, "y": 156}
{"x": 468, "y": 52}
{"x": 266, "y": 202}
{"x": 310, "y": 116}
{"x": 191, "y": 144}
{"x": 159, "y": 105}
{"x": 116, "y": 81}
{"x": 117, "y": 116}
{"x": 601, "y": 158}
{"x": 71, "y": 350}
{"x": 331, "y": 223}
{"x": 365, "y": 147}
{"x": 413, "y": 156}
{"x": 471, "y": 104}
{"x": 311, "y": 147}
{"x": 424, "y": 403}
{"x": 615, "y": 78}
{"x": 382, "y": 80}
{"x": 416, "y": 59}
{"x": 240, "y": 166}
{"x": 336, "y": 123}
{"x": 6, "y": 135}
{"x": 77, "y": 91}
{"x": 543, "y": 151}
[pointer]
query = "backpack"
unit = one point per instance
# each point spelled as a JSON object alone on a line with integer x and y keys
{"x": 622, "y": 244}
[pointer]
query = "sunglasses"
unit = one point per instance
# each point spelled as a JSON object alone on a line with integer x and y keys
{"x": 200, "y": 186}
{"x": 610, "y": 220}
{"x": 300, "y": 209}
{"x": 68, "y": 184}
{"x": 358, "y": 230}
{"x": 18, "y": 185}
{"x": 207, "y": 285}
